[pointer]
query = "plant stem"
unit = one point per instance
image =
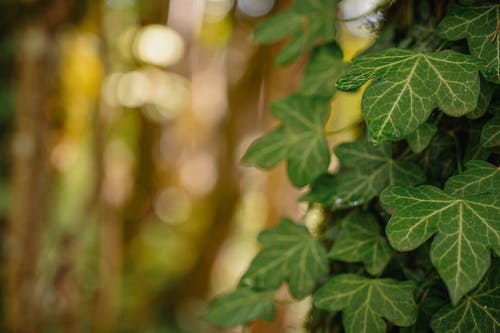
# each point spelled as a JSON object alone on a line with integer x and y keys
{"x": 441, "y": 46}
{"x": 458, "y": 151}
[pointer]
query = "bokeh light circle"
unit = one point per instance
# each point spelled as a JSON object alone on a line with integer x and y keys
{"x": 158, "y": 45}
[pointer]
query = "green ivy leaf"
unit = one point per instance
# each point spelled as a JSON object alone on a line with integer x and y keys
{"x": 360, "y": 241}
{"x": 308, "y": 152}
{"x": 301, "y": 139}
{"x": 306, "y": 22}
{"x": 321, "y": 190}
{"x": 359, "y": 153}
{"x": 407, "y": 86}
{"x": 483, "y": 102}
{"x": 290, "y": 254}
{"x": 466, "y": 229}
{"x": 473, "y": 149}
{"x": 267, "y": 151}
{"x": 365, "y": 301}
{"x": 365, "y": 171}
{"x": 490, "y": 134}
{"x": 480, "y": 178}
{"x": 478, "y": 24}
{"x": 479, "y": 312}
{"x": 426, "y": 309}
{"x": 421, "y": 138}
{"x": 240, "y": 307}
{"x": 323, "y": 69}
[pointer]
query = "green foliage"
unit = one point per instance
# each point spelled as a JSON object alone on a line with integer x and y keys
{"x": 306, "y": 23}
{"x": 301, "y": 139}
{"x": 364, "y": 302}
{"x": 426, "y": 309}
{"x": 490, "y": 135}
{"x": 322, "y": 71}
{"x": 290, "y": 254}
{"x": 466, "y": 228}
{"x": 360, "y": 241}
{"x": 478, "y": 24}
{"x": 407, "y": 86}
{"x": 477, "y": 313}
{"x": 365, "y": 171}
{"x": 269, "y": 150}
{"x": 421, "y": 138}
{"x": 411, "y": 233}
{"x": 240, "y": 307}
{"x": 483, "y": 102}
{"x": 479, "y": 178}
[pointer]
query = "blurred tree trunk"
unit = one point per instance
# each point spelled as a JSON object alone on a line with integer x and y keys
{"x": 36, "y": 95}
{"x": 37, "y": 63}
{"x": 113, "y": 232}
{"x": 110, "y": 229}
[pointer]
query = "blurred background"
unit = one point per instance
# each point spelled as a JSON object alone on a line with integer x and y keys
{"x": 123, "y": 206}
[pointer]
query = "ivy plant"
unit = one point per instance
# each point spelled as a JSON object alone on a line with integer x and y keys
{"x": 409, "y": 237}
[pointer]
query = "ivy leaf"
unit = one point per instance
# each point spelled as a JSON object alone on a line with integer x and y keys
{"x": 473, "y": 149}
{"x": 306, "y": 22}
{"x": 478, "y": 24}
{"x": 466, "y": 229}
{"x": 323, "y": 69}
{"x": 486, "y": 91}
{"x": 300, "y": 139}
{"x": 267, "y": 151}
{"x": 365, "y": 171}
{"x": 308, "y": 160}
{"x": 490, "y": 134}
{"x": 407, "y": 86}
{"x": 304, "y": 119}
{"x": 240, "y": 307}
{"x": 290, "y": 254}
{"x": 360, "y": 241}
{"x": 480, "y": 178}
{"x": 357, "y": 153}
{"x": 421, "y": 138}
{"x": 426, "y": 309}
{"x": 365, "y": 301}
{"x": 321, "y": 190}
{"x": 477, "y": 313}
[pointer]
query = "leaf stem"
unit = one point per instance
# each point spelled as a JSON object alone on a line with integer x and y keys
{"x": 441, "y": 46}
{"x": 458, "y": 151}
{"x": 405, "y": 153}
{"x": 424, "y": 295}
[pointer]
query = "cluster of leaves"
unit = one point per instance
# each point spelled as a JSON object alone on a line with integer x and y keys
{"x": 412, "y": 234}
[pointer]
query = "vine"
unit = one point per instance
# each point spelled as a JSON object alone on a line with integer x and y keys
{"x": 411, "y": 237}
